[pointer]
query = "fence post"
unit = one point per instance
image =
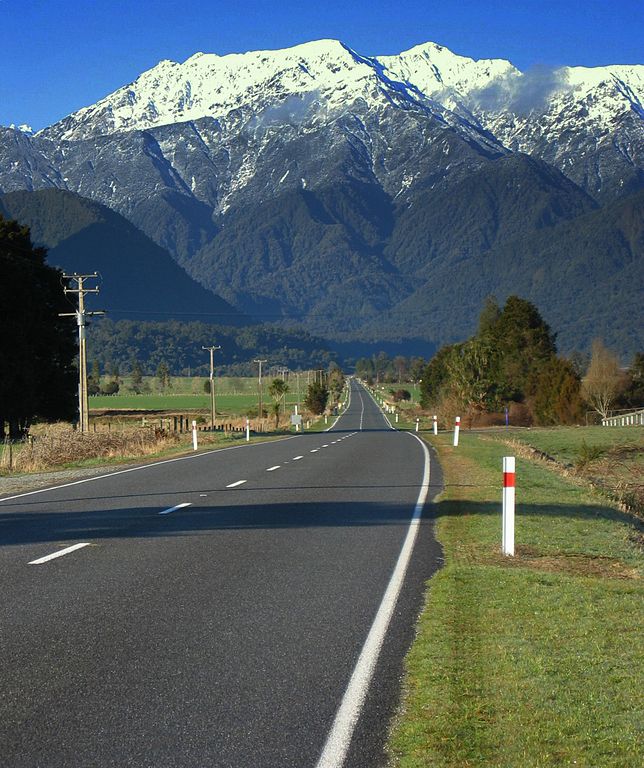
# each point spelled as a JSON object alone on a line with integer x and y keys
{"x": 507, "y": 536}
{"x": 457, "y": 429}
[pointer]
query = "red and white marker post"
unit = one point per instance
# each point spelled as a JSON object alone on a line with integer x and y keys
{"x": 509, "y": 476}
{"x": 194, "y": 435}
{"x": 457, "y": 429}
{"x": 435, "y": 424}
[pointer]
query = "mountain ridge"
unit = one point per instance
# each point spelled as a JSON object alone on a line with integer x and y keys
{"x": 322, "y": 185}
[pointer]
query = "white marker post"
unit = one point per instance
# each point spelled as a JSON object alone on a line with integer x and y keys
{"x": 457, "y": 429}
{"x": 396, "y": 417}
{"x": 194, "y": 435}
{"x": 247, "y": 430}
{"x": 508, "y": 505}
{"x": 417, "y": 423}
{"x": 435, "y": 424}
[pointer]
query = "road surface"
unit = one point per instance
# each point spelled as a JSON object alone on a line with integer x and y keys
{"x": 247, "y": 607}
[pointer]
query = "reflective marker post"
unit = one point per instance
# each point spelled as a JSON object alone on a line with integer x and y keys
{"x": 435, "y": 424}
{"x": 457, "y": 429}
{"x": 194, "y": 435}
{"x": 247, "y": 430}
{"x": 509, "y": 477}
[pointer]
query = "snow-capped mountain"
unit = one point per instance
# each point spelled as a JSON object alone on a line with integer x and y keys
{"x": 255, "y": 169}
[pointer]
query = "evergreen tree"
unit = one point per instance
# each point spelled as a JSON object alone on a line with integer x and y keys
{"x": 37, "y": 347}
{"x": 317, "y": 396}
{"x": 557, "y": 398}
{"x": 136, "y": 377}
{"x": 633, "y": 395}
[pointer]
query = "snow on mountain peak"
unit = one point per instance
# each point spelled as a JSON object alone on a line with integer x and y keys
{"x": 327, "y": 72}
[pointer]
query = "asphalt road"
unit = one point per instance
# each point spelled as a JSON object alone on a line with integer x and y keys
{"x": 246, "y": 628}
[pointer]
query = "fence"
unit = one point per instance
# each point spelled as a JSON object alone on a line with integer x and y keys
{"x": 631, "y": 419}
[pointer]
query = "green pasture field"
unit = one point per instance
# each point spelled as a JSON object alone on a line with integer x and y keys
{"x": 532, "y": 661}
{"x": 234, "y": 396}
{"x": 568, "y": 443}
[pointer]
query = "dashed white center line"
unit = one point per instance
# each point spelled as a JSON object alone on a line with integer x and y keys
{"x": 272, "y": 469}
{"x": 60, "y": 553}
{"x": 297, "y": 458}
{"x": 174, "y": 509}
{"x": 314, "y": 450}
{"x": 234, "y": 485}
{"x": 325, "y": 446}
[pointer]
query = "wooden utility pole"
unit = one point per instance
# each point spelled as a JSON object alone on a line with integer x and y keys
{"x": 260, "y": 412}
{"x": 80, "y": 315}
{"x": 213, "y": 410}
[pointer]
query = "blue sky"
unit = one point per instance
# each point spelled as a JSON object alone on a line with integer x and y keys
{"x": 60, "y": 55}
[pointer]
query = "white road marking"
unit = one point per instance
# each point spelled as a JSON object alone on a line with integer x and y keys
{"x": 60, "y": 553}
{"x": 326, "y": 445}
{"x": 272, "y": 469}
{"x": 176, "y": 507}
{"x": 234, "y": 485}
{"x": 145, "y": 466}
{"x": 297, "y": 458}
{"x": 314, "y": 450}
{"x": 339, "y": 738}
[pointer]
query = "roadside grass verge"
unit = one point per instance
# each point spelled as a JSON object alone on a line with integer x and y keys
{"x": 611, "y": 459}
{"x": 530, "y": 661}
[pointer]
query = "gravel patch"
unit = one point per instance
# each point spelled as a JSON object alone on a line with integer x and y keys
{"x": 37, "y": 480}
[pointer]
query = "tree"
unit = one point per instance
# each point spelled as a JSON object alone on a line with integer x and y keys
{"x": 277, "y": 389}
{"x": 94, "y": 379}
{"x": 471, "y": 369}
{"x": 435, "y": 377}
{"x": 524, "y": 341}
{"x": 335, "y": 381}
{"x": 37, "y": 347}
{"x": 603, "y": 381}
{"x": 400, "y": 366}
{"x": 316, "y": 398}
{"x": 633, "y": 395}
{"x": 557, "y": 399}
{"x": 136, "y": 377}
{"x": 163, "y": 374}
{"x": 110, "y": 387}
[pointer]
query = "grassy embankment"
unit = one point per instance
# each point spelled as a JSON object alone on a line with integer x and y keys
{"x": 535, "y": 660}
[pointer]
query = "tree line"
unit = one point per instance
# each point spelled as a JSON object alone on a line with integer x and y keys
{"x": 512, "y": 362}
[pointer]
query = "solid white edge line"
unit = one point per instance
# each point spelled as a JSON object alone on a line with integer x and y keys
{"x": 144, "y": 466}
{"x": 234, "y": 485}
{"x": 60, "y": 553}
{"x": 176, "y": 507}
{"x": 339, "y": 738}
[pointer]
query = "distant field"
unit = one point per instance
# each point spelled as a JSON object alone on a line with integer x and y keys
{"x": 228, "y": 404}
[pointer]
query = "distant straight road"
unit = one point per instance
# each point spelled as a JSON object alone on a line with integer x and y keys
{"x": 235, "y": 608}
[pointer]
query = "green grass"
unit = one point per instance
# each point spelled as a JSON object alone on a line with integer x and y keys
{"x": 533, "y": 661}
{"x": 226, "y": 404}
{"x": 566, "y": 443}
